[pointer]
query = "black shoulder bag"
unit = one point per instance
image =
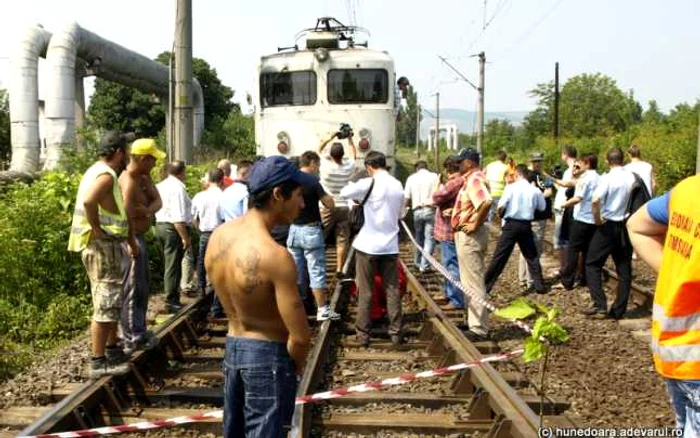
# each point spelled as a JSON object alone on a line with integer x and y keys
{"x": 356, "y": 216}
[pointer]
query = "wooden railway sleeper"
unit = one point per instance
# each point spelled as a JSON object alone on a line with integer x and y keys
{"x": 479, "y": 407}
{"x": 81, "y": 417}
{"x": 426, "y": 333}
{"x": 437, "y": 347}
{"x": 501, "y": 428}
{"x": 449, "y": 358}
{"x": 462, "y": 383}
{"x": 190, "y": 334}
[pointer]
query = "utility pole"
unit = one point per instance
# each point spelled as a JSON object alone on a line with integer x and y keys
{"x": 184, "y": 120}
{"x": 480, "y": 108}
{"x": 417, "y": 128}
{"x": 437, "y": 131}
{"x": 556, "y": 104}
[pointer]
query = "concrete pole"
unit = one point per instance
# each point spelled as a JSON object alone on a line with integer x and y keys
{"x": 437, "y": 131}
{"x": 79, "y": 105}
{"x": 480, "y": 108}
{"x": 183, "y": 114}
{"x": 417, "y": 130}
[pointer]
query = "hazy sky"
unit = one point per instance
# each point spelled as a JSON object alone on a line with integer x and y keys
{"x": 646, "y": 45}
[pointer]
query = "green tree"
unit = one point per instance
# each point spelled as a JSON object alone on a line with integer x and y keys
{"x": 4, "y": 126}
{"x": 593, "y": 105}
{"x": 590, "y": 105}
{"x": 498, "y": 134}
{"x": 239, "y": 135}
{"x": 117, "y": 107}
{"x": 406, "y": 124}
{"x": 653, "y": 114}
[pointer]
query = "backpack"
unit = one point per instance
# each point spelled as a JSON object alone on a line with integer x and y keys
{"x": 639, "y": 195}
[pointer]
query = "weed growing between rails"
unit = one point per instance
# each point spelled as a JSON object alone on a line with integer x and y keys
{"x": 546, "y": 332}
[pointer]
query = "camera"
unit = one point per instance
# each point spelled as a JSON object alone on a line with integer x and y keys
{"x": 345, "y": 131}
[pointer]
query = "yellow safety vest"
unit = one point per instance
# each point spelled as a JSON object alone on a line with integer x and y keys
{"x": 496, "y": 176}
{"x": 113, "y": 224}
{"x": 676, "y": 318}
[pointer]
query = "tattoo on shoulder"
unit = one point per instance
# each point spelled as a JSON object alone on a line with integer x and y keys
{"x": 249, "y": 264}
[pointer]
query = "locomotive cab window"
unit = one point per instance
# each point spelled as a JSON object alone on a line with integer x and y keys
{"x": 287, "y": 88}
{"x": 358, "y": 86}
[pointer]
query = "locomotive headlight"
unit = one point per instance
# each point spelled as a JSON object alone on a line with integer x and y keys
{"x": 283, "y": 145}
{"x": 365, "y": 136}
{"x": 321, "y": 54}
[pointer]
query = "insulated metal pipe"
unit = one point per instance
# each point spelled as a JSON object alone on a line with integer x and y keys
{"x": 24, "y": 99}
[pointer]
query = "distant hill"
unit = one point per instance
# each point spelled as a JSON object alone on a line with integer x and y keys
{"x": 465, "y": 120}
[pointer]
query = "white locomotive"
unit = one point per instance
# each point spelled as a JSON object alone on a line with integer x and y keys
{"x": 304, "y": 95}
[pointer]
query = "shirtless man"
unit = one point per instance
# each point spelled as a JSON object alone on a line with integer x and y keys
{"x": 141, "y": 201}
{"x": 256, "y": 282}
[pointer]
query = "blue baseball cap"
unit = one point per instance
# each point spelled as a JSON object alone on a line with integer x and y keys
{"x": 468, "y": 154}
{"x": 275, "y": 170}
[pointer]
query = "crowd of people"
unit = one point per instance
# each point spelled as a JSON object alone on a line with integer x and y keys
{"x": 263, "y": 232}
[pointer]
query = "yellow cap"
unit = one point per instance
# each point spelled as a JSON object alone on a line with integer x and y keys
{"x": 146, "y": 146}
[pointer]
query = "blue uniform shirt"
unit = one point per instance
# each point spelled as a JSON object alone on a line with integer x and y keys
{"x": 520, "y": 200}
{"x": 613, "y": 191}
{"x": 234, "y": 201}
{"x": 584, "y": 189}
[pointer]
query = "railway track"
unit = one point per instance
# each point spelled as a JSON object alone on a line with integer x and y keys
{"x": 183, "y": 378}
{"x": 642, "y": 297}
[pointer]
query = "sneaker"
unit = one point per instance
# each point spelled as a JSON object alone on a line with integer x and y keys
{"x": 325, "y": 313}
{"x": 396, "y": 340}
{"x": 103, "y": 367}
{"x": 147, "y": 342}
{"x": 594, "y": 312}
{"x": 476, "y": 336}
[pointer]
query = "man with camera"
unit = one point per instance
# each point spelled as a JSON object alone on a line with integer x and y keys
{"x": 336, "y": 169}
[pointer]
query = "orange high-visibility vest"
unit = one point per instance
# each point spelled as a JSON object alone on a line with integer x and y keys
{"x": 676, "y": 319}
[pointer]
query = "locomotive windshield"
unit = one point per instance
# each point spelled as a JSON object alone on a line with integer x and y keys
{"x": 288, "y": 88}
{"x": 358, "y": 86}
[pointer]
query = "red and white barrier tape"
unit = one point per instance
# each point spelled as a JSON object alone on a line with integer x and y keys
{"x": 304, "y": 399}
{"x": 472, "y": 295}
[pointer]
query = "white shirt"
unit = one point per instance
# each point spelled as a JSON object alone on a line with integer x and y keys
{"x": 644, "y": 170}
{"x": 380, "y": 234}
{"x": 613, "y": 191}
{"x": 560, "y": 197}
{"x": 335, "y": 176}
{"x": 520, "y": 200}
{"x": 420, "y": 187}
{"x": 205, "y": 208}
{"x": 176, "y": 201}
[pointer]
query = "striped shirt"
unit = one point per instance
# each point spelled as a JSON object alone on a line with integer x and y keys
{"x": 473, "y": 193}
{"x": 335, "y": 176}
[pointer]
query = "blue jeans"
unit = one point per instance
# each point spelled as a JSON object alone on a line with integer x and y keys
{"x": 449, "y": 260}
{"x": 135, "y": 294}
{"x": 259, "y": 388}
{"x": 685, "y": 399}
{"x": 201, "y": 270}
{"x": 423, "y": 223}
{"x": 306, "y": 244}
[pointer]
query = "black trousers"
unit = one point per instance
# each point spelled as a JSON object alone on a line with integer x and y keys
{"x": 520, "y": 232}
{"x": 610, "y": 239}
{"x": 580, "y": 235}
{"x": 388, "y": 267}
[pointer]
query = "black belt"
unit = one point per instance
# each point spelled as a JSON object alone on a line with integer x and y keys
{"x": 522, "y": 221}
